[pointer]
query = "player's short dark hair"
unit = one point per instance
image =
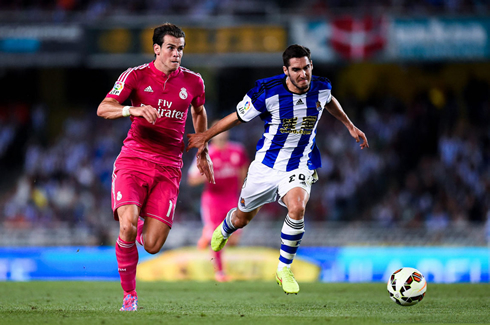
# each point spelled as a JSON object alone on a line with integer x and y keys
{"x": 166, "y": 29}
{"x": 295, "y": 51}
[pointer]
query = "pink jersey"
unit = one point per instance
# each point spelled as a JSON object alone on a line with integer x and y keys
{"x": 227, "y": 163}
{"x": 171, "y": 95}
{"x": 217, "y": 199}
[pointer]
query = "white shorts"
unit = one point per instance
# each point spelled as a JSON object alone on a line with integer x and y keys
{"x": 265, "y": 185}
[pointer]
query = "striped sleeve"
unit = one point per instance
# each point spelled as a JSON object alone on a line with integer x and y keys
{"x": 252, "y": 104}
{"x": 326, "y": 91}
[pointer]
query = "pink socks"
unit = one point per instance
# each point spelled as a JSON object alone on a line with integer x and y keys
{"x": 127, "y": 260}
{"x": 218, "y": 262}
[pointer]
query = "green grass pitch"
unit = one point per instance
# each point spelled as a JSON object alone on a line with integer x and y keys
{"x": 237, "y": 303}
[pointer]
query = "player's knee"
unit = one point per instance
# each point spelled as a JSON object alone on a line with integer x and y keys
{"x": 296, "y": 212}
{"x": 128, "y": 230}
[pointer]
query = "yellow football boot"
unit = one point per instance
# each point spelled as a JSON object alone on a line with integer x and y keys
{"x": 218, "y": 241}
{"x": 286, "y": 280}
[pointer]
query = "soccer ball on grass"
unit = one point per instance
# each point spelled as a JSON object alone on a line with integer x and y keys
{"x": 407, "y": 286}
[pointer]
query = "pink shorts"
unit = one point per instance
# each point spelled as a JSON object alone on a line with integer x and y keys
{"x": 152, "y": 187}
{"x": 213, "y": 211}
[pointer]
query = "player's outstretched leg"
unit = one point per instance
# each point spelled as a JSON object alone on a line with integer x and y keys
{"x": 285, "y": 278}
{"x": 130, "y": 302}
{"x": 223, "y": 232}
{"x": 291, "y": 236}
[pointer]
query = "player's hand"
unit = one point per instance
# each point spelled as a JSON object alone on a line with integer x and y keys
{"x": 205, "y": 165}
{"x": 148, "y": 112}
{"x": 197, "y": 140}
{"x": 359, "y": 135}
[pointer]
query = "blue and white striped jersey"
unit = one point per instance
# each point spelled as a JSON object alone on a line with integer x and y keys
{"x": 290, "y": 121}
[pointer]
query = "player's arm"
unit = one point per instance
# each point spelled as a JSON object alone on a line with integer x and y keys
{"x": 246, "y": 111}
{"x": 334, "y": 108}
{"x": 204, "y": 163}
{"x": 111, "y": 109}
{"x": 200, "y": 140}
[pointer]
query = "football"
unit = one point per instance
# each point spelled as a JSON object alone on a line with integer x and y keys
{"x": 407, "y": 286}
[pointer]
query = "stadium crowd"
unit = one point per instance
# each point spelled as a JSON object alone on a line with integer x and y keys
{"x": 75, "y": 10}
{"x": 427, "y": 167}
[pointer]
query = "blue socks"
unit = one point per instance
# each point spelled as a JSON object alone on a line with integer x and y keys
{"x": 291, "y": 235}
{"x": 228, "y": 227}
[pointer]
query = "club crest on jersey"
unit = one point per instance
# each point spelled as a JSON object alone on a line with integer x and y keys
{"x": 183, "y": 93}
{"x": 118, "y": 87}
{"x": 318, "y": 106}
{"x": 242, "y": 202}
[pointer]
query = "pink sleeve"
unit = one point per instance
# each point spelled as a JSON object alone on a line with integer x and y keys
{"x": 200, "y": 98}
{"x": 123, "y": 86}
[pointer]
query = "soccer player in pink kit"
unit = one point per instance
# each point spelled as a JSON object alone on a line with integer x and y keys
{"x": 147, "y": 172}
{"x": 230, "y": 164}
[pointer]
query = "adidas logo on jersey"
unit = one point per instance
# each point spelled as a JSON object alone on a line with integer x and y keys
{"x": 148, "y": 89}
{"x": 299, "y": 102}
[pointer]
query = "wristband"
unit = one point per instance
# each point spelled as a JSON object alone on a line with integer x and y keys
{"x": 125, "y": 111}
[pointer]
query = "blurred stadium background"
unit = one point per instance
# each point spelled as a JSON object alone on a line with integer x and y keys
{"x": 413, "y": 75}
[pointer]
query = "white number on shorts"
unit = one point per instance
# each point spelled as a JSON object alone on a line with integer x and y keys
{"x": 169, "y": 209}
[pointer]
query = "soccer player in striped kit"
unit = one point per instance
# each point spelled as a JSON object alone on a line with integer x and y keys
{"x": 147, "y": 172}
{"x": 287, "y": 157}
